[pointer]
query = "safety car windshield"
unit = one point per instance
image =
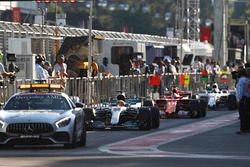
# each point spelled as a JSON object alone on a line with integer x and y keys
{"x": 37, "y": 102}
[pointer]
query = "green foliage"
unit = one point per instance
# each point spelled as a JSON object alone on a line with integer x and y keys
{"x": 247, "y": 11}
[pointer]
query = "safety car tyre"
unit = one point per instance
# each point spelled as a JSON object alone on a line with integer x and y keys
{"x": 232, "y": 102}
{"x": 194, "y": 110}
{"x": 83, "y": 138}
{"x": 155, "y": 117}
{"x": 145, "y": 120}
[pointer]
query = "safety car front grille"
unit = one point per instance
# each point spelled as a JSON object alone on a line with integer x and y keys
{"x": 29, "y": 128}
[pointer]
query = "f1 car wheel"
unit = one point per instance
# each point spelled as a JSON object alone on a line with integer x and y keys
{"x": 89, "y": 117}
{"x": 232, "y": 102}
{"x": 73, "y": 144}
{"x": 145, "y": 120}
{"x": 194, "y": 110}
{"x": 83, "y": 136}
{"x": 155, "y": 117}
{"x": 203, "y": 108}
{"x": 148, "y": 103}
{"x": 89, "y": 114}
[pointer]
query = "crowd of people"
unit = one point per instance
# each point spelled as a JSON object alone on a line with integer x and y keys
{"x": 44, "y": 70}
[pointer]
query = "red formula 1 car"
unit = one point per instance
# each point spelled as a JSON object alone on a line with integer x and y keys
{"x": 182, "y": 105}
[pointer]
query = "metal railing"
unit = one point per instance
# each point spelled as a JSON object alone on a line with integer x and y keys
{"x": 103, "y": 88}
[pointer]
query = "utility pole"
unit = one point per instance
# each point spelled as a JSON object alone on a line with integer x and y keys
{"x": 90, "y": 40}
{"x": 220, "y": 31}
{"x": 90, "y": 54}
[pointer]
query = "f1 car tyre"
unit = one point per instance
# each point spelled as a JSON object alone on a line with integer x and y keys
{"x": 145, "y": 120}
{"x": 194, "y": 97}
{"x": 148, "y": 103}
{"x": 155, "y": 117}
{"x": 89, "y": 114}
{"x": 203, "y": 108}
{"x": 89, "y": 117}
{"x": 194, "y": 110}
{"x": 232, "y": 102}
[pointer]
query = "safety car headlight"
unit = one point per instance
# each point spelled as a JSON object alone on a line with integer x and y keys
{"x": 63, "y": 122}
{"x": 1, "y": 124}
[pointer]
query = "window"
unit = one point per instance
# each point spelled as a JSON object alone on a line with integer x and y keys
{"x": 187, "y": 60}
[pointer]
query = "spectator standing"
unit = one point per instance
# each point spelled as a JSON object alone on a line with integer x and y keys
{"x": 208, "y": 67}
{"x": 95, "y": 69}
{"x": 178, "y": 66}
{"x": 197, "y": 65}
{"x": 215, "y": 71}
{"x": 169, "y": 70}
{"x": 136, "y": 67}
{"x": 40, "y": 71}
{"x": 144, "y": 68}
{"x": 60, "y": 68}
{"x": 104, "y": 68}
{"x": 5, "y": 73}
{"x": 243, "y": 100}
{"x": 159, "y": 70}
{"x": 48, "y": 68}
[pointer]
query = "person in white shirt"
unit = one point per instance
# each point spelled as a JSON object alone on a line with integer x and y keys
{"x": 60, "y": 68}
{"x": 40, "y": 71}
{"x": 197, "y": 65}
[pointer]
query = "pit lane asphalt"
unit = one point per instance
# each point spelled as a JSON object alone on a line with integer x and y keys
{"x": 228, "y": 147}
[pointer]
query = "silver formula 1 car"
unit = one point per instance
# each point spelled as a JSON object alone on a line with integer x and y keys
{"x": 133, "y": 114}
{"x": 42, "y": 118}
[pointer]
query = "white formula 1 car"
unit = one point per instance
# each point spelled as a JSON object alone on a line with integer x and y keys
{"x": 216, "y": 96}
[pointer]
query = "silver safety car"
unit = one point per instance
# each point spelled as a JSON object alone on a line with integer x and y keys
{"x": 42, "y": 118}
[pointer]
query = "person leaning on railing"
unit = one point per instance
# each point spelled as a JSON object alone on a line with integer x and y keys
{"x": 5, "y": 73}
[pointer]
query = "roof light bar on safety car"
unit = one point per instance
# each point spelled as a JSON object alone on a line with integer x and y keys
{"x": 48, "y": 86}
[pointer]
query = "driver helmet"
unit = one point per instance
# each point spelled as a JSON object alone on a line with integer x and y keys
{"x": 121, "y": 103}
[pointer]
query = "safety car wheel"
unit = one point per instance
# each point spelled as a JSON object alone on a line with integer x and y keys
{"x": 83, "y": 136}
{"x": 194, "y": 110}
{"x": 232, "y": 102}
{"x": 155, "y": 117}
{"x": 145, "y": 120}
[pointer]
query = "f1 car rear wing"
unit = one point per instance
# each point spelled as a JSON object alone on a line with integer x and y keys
{"x": 44, "y": 87}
